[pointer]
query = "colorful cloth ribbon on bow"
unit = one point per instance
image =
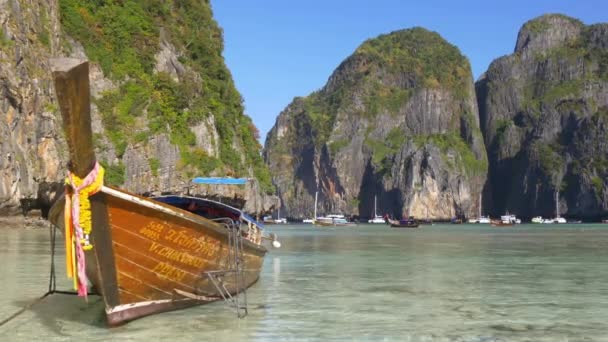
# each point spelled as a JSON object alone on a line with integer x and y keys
{"x": 78, "y": 225}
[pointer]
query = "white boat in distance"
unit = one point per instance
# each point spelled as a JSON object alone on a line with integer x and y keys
{"x": 329, "y": 220}
{"x": 312, "y": 220}
{"x": 557, "y": 218}
{"x": 480, "y": 219}
{"x": 537, "y": 219}
{"x": 376, "y": 219}
{"x": 278, "y": 220}
{"x": 333, "y": 220}
{"x": 508, "y": 218}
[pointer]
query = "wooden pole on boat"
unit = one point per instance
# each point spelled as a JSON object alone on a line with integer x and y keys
{"x": 72, "y": 88}
{"x": 71, "y": 78}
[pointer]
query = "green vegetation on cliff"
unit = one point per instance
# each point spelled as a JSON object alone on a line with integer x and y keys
{"x": 384, "y": 73}
{"x": 124, "y": 37}
{"x": 384, "y": 150}
{"x": 566, "y": 95}
{"x": 115, "y": 174}
{"x": 541, "y": 24}
{"x": 578, "y": 51}
{"x": 455, "y": 152}
{"x": 542, "y": 111}
{"x": 421, "y": 54}
{"x": 321, "y": 109}
{"x": 395, "y": 114}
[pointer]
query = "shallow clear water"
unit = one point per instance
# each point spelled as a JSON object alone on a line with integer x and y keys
{"x": 437, "y": 283}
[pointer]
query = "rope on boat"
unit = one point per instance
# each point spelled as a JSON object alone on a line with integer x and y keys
{"x": 52, "y": 282}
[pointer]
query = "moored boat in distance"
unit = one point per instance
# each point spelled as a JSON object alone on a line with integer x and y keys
{"x": 376, "y": 218}
{"x": 505, "y": 221}
{"x": 537, "y": 220}
{"x": 480, "y": 220}
{"x": 145, "y": 256}
{"x": 501, "y": 223}
{"x": 333, "y": 220}
{"x": 557, "y": 219}
{"x": 405, "y": 223}
{"x": 278, "y": 220}
{"x": 268, "y": 220}
{"x": 509, "y": 218}
{"x": 312, "y": 220}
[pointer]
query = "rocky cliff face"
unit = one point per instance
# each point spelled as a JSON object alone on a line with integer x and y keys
{"x": 164, "y": 107}
{"x": 31, "y": 147}
{"x": 544, "y": 115}
{"x": 397, "y": 120}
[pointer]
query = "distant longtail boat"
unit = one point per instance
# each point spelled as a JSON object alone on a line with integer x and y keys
{"x": 406, "y": 223}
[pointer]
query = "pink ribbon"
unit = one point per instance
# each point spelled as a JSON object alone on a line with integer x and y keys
{"x": 82, "y": 275}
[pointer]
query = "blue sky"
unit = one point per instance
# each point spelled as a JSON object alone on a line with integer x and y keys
{"x": 280, "y": 49}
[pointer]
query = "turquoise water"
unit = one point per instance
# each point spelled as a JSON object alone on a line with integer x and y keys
{"x": 437, "y": 283}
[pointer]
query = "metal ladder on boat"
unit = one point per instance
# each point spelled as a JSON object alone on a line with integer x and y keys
{"x": 234, "y": 269}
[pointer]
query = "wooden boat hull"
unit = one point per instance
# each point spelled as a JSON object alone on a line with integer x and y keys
{"x": 150, "y": 257}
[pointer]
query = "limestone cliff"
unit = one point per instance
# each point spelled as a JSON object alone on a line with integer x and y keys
{"x": 164, "y": 105}
{"x": 544, "y": 115}
{"x": 397, "y": 120}
{"x": 32, "y": 149}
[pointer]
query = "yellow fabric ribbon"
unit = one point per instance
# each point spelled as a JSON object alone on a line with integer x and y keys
{"x": 78, "y": 223}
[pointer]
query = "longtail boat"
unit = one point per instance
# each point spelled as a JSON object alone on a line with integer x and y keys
{"x": 143, "y": 255}
{"x": 401, "y": 223}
